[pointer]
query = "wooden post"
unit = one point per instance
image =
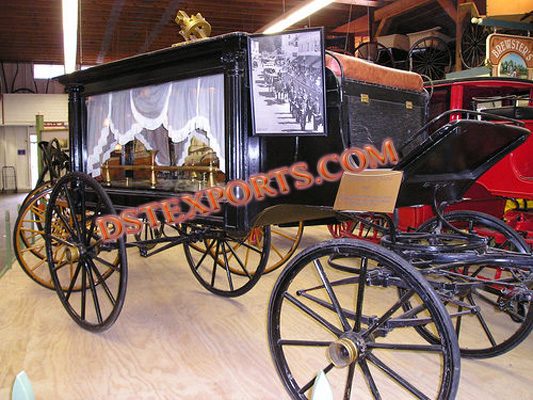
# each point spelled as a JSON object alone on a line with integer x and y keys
{"x": 465, "y": 10}
{"x": 370, "y": 14}
{"x": 459, "y": 20}
{"x": 39, "y": 127}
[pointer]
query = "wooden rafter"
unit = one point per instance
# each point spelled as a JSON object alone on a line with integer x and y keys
{"x": 383, "y": 26}
{"x": 366, "y": 3}
{"x": 392, "y": 10}
{"x": 450, "y": 7}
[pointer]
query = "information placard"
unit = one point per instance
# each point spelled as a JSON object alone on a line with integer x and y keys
{"x": 369, "y": 190}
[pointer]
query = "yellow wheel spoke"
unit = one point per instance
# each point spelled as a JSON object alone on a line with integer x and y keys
{"x": 32, "y": 221}
{"x": 39, "y": 264}
{"x": 34, "y": 248}
{"x": 285, "y": 235}
{"x": 273, "y": 247}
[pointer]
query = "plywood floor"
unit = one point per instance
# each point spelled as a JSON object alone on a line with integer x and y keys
{"x": 174, "y": 340}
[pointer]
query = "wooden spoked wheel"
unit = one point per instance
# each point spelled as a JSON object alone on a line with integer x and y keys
{"x": 339, "y": 50}
{"x": 148, "y": 233}
{"x": 371, "y": 228}
{"x": 375, "y": 53}
{"x": 473, "y": 45}
{"x": 494, "y": 317}
{"x": 91, "y": 273}
{"x": 28, "y": 238}
{"x": 430, "y": 56}
{"x": 283, "y": 243}
{"x": 341, "y": 229}
{"x": 226, "y": 265}
{"x": 38, "y": 189}
{"x": 335, "y": 309}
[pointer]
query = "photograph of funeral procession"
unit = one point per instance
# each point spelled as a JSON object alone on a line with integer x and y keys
{"x": 288, "y": 83}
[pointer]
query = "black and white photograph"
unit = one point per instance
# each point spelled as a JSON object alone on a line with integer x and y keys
{"x": 287, "y": 75}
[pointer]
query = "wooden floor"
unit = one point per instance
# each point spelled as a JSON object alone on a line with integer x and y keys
{"x": 174, "y": 340}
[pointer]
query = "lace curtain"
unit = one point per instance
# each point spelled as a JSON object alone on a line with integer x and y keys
{"x": 177, "y": 110}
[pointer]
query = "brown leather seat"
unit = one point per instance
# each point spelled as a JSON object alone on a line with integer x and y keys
{"x": 357, "y": 69}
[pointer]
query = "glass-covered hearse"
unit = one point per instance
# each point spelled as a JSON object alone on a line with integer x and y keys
{"x": 212, "y": 144}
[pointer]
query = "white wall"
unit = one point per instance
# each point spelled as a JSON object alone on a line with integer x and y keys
{"x": 19, "y": 78}
{"x": 21, "y": 109}
{"x": 13, "y": 139}
{"x": 18, "y": 121}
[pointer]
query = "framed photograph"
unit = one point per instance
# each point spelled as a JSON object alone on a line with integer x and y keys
{"x": 287, "y": 83}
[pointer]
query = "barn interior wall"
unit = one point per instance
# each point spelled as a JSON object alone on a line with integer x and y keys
{"x": 18, "y": 120}
{"x": 15, "y": 157}
{"x": 18, "y": 78}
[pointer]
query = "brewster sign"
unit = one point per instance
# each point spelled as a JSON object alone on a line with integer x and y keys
{"x": 510, "y": 56}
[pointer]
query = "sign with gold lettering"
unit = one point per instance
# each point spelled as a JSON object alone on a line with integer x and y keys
{"x": 510, "y": 56}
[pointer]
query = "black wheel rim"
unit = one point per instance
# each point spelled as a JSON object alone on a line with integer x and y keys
{"x": 28, "y": 238}
{"x": 473, "y": 45}
{"x": 96, "y": 267}
{"x": 283, "y": 244}
{"x": 38, "y": 189}
{"x": 489, "y": 319}
{"x": 375, "y": 53}
{"x": 321, "y": 319}
{"x": 430, "y": 56}
{"x": 149, "y": 233}
{"x": 226, "y": 265}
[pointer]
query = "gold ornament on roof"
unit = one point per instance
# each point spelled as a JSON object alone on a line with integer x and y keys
{"x": 193, "y": 28}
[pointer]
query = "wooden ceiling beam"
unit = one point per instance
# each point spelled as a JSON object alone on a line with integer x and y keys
{"x": 392, "y": 10}
{"x": 450, "y": 7}
{"x": 366, "y": 3}
{"x": 383, "y": 26}
{"x": 112, "y": 22}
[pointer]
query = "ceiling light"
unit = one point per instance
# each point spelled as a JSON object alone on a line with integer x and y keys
{"x": 47, "y": 71}
{"x": 70, "y": 34}
{"x": 297, "y": 14}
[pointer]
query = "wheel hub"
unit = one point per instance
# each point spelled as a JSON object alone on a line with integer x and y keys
{"x": 72, "y": 254}
{"x": 343, "y": 352}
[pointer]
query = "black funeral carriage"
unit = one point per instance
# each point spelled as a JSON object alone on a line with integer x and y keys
{"x": 188, "y": 145}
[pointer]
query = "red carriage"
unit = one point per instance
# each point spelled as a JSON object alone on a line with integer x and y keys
{"x": 506, "y": 190}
